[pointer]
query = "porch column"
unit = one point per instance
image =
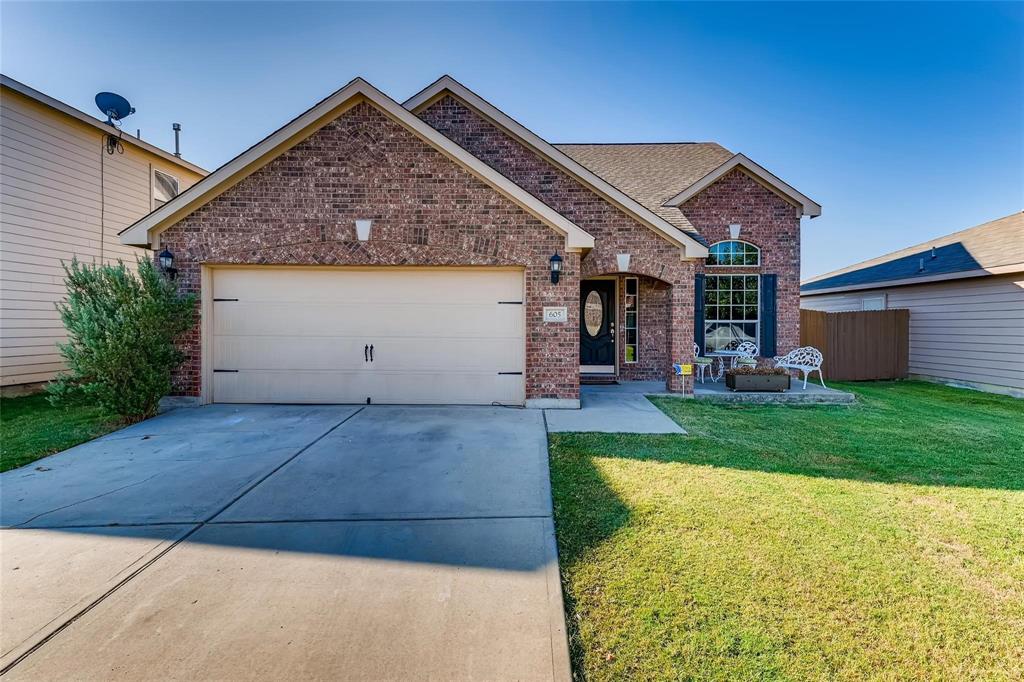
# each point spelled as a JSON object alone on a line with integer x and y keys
{"x": 680, "y": 333}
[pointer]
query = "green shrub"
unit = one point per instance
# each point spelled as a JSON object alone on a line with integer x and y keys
{"x": 121, "y": 329}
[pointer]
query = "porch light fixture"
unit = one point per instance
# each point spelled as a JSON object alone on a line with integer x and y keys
{"x": 622, "y": 259}
{"x": 734, "y": 231}
{"x": 167, "y": 263}
{"x": 556, "y": 268}
{"x": 363, "y": 229}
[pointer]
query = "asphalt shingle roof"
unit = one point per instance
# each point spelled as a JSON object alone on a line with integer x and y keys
{"x": 989, "y": 245}
{"x": 651, "y": 173}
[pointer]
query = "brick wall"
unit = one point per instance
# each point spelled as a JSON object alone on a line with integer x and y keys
{"x": 769, "y": 222}
{"x": 652, "y": 352}
{"x": 300, "y": 210}
{"x": 614, "y": 231}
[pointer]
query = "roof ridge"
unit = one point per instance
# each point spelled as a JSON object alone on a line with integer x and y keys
{"x": 631, "y": 144}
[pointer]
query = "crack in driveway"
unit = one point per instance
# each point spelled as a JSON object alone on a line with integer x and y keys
{"x": 88, "y": 499}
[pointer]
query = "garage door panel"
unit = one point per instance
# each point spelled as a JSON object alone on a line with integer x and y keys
{"x": 359, "y": 320}
{"x": 397, "y": 285}
{"x": 317, "y": 387}
{"x": 440, "y": 335}
{"x": 330, "y": 353}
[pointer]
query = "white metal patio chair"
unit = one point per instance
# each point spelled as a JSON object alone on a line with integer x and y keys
{"x": 748, "y": 355}
{"x": 702, "y": 364}
{"x": 807, "y": 359}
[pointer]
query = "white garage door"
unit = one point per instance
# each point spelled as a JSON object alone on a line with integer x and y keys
{"x": 393, "y": 335}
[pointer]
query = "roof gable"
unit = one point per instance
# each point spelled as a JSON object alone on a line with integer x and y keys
{"x": 758, "y": 173}
{"x": 146, "y": 231}
{"x": 446, "y": 85}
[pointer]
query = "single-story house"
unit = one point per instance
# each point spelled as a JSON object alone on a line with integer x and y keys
{"x": 62, "y": 195}
{"x": 965, "y": 293}
{"x": 438, "y": 251}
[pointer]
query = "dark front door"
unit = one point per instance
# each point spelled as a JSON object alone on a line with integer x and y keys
{"x": 597, "y": 325}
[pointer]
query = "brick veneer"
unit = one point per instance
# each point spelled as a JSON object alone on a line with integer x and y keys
{"x": 614, "y": 231}
{"x": 652, "y": 337}
{"x": 300, "y": 210}
{"x": 428, "y": 211}
{"x": 769, "y": 222}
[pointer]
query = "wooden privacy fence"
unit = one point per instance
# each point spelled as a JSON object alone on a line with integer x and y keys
{"x": 860, "y": 345}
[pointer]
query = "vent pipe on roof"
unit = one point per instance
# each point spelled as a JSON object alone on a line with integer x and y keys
{"x": 934, "y": 255}
{"x": 920, "y": 265}
{"x": 177, "y": 139}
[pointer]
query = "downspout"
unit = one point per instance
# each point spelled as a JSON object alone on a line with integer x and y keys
{"x": 103, "y": 198}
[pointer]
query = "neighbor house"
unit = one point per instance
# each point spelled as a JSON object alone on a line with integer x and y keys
{"x": 440, "y": 252}
{"x": 63, "y": 195}
{"x": 965, "y": 293}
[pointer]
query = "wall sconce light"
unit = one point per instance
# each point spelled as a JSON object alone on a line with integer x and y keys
{"x": 556, "y": 268}
{"x": 622, "y": 260}
{"x": 167, "y": 263}
{"x": 363, "y": 229}
{"x": 734, "y": 231}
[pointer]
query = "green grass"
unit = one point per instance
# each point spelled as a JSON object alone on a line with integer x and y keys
{"x": 882, "y": 541}
{"x": 31, "y": 428}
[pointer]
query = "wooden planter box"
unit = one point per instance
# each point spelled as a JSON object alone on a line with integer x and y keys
{"x": 757, "y": 382}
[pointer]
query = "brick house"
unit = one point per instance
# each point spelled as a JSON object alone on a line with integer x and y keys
{"x": 437, "y": 251}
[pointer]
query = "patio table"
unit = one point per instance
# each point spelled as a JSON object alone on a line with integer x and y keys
{"x": 721, "y": 356}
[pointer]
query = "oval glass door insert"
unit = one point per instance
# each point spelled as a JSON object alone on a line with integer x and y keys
{"x": 593, "y": 313}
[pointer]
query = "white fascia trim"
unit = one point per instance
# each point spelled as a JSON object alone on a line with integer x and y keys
{"x": 143, "y": 232}
{"x": 69, "y": 110}
{"x": 909, "y": 281}
{"x": 808, "y": 206}
{"x": 692, "y": 248}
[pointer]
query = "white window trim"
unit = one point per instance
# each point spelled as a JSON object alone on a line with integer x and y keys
{"x": 757, "y": 322}
{"x": 152, "y": 187}
{"x": 636, "y": 327}
{"x": 880, "y": 298}
{"x": 740, "y": 241}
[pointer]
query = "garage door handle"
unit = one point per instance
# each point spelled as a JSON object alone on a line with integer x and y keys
{"x": 371, "y": 352}
{"x": 366, "y": 353}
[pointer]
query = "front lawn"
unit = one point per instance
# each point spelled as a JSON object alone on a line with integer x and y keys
{"x": 31, "y": 428}
{"x": 883, "y": 540}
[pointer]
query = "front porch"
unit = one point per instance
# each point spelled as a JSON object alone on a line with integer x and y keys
{"x": 813, "y": 394}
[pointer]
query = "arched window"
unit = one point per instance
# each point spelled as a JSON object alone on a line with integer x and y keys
{"x": 733, "y": 253}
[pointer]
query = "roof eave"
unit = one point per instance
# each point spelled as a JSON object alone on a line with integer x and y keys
{"x": 908, "y": 281}
{"x": 69, "y": 110}
{"x": 771, "y": 181}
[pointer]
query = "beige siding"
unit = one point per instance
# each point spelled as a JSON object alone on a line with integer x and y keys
{"x": 969, "y": 331}
{"x": 52, "y": 169}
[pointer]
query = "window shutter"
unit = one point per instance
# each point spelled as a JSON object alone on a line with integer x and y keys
{"x": 769, "y": 321}
{"x": 698, "y": 312}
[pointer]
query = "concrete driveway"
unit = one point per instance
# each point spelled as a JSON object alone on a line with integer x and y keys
{"x": 290, "y": 542}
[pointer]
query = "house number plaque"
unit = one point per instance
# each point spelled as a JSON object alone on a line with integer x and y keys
{"x": 560, "y": 314}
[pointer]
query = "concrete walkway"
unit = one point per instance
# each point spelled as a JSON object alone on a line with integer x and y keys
{"x": 287, "y": 542}
{"x": 615, "y": 408}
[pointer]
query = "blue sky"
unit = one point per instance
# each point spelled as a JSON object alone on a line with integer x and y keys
{"x": 905, "y": 121}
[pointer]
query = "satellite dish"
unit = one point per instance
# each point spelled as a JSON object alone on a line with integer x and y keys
{"x": 113, "y": 106}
